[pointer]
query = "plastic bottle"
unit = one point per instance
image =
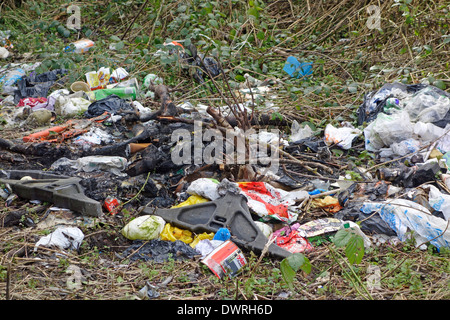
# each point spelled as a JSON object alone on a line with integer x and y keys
{"x": 127, "y": 92}
{"x": 391, "y": 103}
{"x": 81, "y": 46}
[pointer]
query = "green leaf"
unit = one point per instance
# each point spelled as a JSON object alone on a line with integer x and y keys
{"x": 354, "y": 251}
{"x": 287, "y": 273}
{"x": 214, "y": 23}
{"x": 299, "y": 261}
{"x": 260, "y": 35}
{"x": 342, "y": 237}
{"x": 290, "y": 265}
{"x": 114, "y": 38}
{"x": 440, "y": 84}
{"x": 353, "y": 243}
{"x": 119, "y": 45}
{"x": 253, "y": 12}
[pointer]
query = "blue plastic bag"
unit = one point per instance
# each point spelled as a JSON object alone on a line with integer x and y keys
{"x": 295, "y": 68}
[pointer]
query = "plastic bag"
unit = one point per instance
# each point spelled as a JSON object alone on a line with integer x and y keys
{"x": 291, "y": 240}
{"x": 35, "y": 86}
{"x": 439, "y": 201}
{"x": 66, "y": 106}
{"x": 298, "y": 132}
{"x": 171, "y": 233}
{"x": 422, "y": 102}
{"x": 387, "y": 129}
{"x": 201, "y": 237}
{"x": 405, "y": 215}
{"x": 405, "y": 147}
{"x": 328, "y": 203}
{"x": 113, "y": 164}
{"x": 63, "y": 238}
{"x": 427, "y": 105}
{"x": 297, "y": 69}
{"x": 159, "y": 251}
{"x": 112, "y": 104}
{"x": 204, "y": 187}
{"x": 343, "y": 137}
{"x": 272, "y": 203}
{"x": 147, "y": 227}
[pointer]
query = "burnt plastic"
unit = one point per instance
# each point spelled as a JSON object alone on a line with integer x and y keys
{"x": 231, "y": 212}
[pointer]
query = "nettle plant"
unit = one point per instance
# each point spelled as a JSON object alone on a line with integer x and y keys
{"x": 347, "y": 238}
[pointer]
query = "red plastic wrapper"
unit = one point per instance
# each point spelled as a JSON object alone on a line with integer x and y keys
{"x": 292, "y": 241}
{"x": 112, "y": 204}
{"x": 32, "y": 102}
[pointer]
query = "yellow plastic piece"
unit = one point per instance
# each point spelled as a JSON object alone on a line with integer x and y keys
{"x": 200, "y": 237}
{"x": 172, "y": 233}
{"x": 194, "y": 199}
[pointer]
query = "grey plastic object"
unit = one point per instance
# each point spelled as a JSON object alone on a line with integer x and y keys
{"x": 231, "y": 212}
{"x": 64, "y": 192}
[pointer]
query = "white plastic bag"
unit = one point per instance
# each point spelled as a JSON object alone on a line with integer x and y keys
{"x": 63, "y": 238}
{"x": 388, "y": 129}
{"x": 70, "y": 106}
{"x": 204, "y": 187}
{"x": 404, "y": 215}
{"x": 439, "y": 201}
{"x": 147, "y": 227}
{"x": 343, "y": 137}
{"x": 299, "y": 133}
{"x": 427, "y": 106}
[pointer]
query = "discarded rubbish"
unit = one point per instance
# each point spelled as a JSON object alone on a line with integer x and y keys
{"x": 79, "y": 86}
{"x": 405, "y": 215}
{"x": 65, "y": 192}
{"x": 342, "y": 137}
{"x": 227, "y": 260}
{"x": 328, "y": 203}
{"x": 229, "y": 211}
{"x": 291, "y": 240}
{"x": 124, "y": 93}
{"x": 36, "y": 86}
{"x": 171, "y": 233}
{"x": 297, "y": 69}
{"x": 4, "y": 53}
{"x": 112, "y": 104}
{"x": 90, "y": 163}
{"x": 144, "y": 228}
{"x": 62, "y": 238}
{"x": 222, "y": 234}
{"x": 206, "y": 188}
{"x": 159, "y": 251}
{"x": 299, "y": 133}
{"x": 81, "y": 46}
{"x": 271, "y": 203}
{"x": 111, "y": 204}
{"x": 318, "y": 227}
{"x": 118, "y": 75}
{"x": 194, "y": 199}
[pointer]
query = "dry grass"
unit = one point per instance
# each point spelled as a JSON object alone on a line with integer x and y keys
{"x": 314, "y": 29}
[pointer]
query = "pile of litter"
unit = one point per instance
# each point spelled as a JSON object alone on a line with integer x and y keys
{"x": 113, "y": 154}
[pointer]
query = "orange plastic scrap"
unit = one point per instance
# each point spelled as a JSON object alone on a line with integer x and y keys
{"x": 44, "y": 134}
{"x": 70, "y": 129}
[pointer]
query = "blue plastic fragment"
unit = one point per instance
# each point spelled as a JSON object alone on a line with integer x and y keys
{"x": 222, "y": 234}
{"x": 295, "y": 68}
